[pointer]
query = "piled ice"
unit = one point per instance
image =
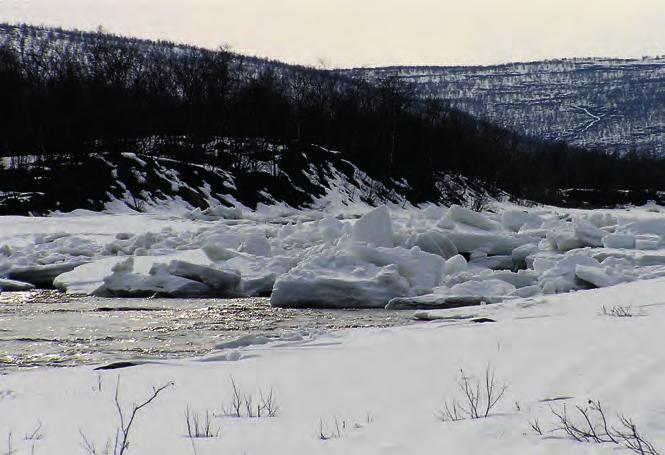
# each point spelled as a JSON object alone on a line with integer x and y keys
{"x": 430, "y": 257}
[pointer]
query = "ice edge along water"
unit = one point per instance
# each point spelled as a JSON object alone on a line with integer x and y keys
{"x": 431, "y": 257}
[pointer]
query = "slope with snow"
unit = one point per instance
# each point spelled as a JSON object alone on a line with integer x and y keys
{"x": 213, "y": 180}
{"x": 607, "y": 104}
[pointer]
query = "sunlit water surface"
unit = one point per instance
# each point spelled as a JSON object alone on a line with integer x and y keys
{"x": 51, "y": 329}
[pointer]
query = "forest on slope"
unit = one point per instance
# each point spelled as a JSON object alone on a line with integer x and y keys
{"x": 70, "y": 94}
{"x": 616, "y": 105}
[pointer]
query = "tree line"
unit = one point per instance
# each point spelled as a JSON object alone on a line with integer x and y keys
{"x": 69, "y": 93}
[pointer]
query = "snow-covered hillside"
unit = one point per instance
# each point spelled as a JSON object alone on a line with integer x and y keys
{"x": 597, "y": 103}
{"x": 228, "y": 173}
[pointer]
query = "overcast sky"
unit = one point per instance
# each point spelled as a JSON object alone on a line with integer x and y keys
{"x": 375, "y": 32}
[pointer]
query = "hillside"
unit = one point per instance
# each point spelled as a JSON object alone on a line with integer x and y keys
{"x": 209, "y": 184}
{"x": 73, "y": 102}
{"x": 609, "y": 104}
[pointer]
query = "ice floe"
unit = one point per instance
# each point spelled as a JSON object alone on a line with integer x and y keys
{"x": 403, "y": 257}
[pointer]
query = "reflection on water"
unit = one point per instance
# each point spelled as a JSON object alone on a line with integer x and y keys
{"x": 40, "y": 328}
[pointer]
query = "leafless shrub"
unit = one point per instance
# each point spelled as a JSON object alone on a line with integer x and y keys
{"x": 535, "y": 426}
{"x": 10, "y": 451}
{"x": 247, "y": 405}
{"x": 235, "y": 408}
{"x": 335, "y": 428}
{"x": 135, "y": 203}
{"x": 199, "y": 427}
{"x": 478, "y": 397}
{"x": 119, "y": 443}
{"x": 451, "y": 412}
{"x": 90, "y": 447}
{"x": 268, "y": 404}
{"x": 322, "y": 435}
{"x": 632, "y": 439}
{"x": 334, "y": 432}
{"x": 248, "y": 401}
{"x": 618, "y": 311}
{"x": 34, "y": 436}
{"x": 36, "y": 433}
{"x": 592, "y": 426}
{"x": 99, "y": 384}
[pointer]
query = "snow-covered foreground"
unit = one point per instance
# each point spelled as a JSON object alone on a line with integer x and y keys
{"x": 375, "y": 391}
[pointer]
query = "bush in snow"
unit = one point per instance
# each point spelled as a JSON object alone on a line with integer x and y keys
{"x": 590, "y": 424}
{"x": 618, "y": 311}
{"x": 477, "y": 397}
{"x": 198, "y": 426}
{"x": 249, "y": 405}
{"x": 336, "y": 428}
{"x": 333, "y": 433}
{"x": 118, "y": 444}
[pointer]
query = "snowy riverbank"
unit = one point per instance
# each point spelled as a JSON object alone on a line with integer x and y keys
{"x": 383, "y": 387}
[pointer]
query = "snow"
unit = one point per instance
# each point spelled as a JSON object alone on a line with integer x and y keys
{"x": 13, "y": 285}
{"x": 338, "y": 280}
{"x": 619, "y": 241}
{"x": 423, "y": 270}
{"x": 220, "y": 281}
{"x": 358, "y": 256}
{"x": 374, "y": 228}
{"x": 515, "y": 220}
{"x": 256, "y": 244}
{"x": 600, "y": 277}
{"x": 471, "y": 218}
{"x": 516, "y": 266}
{"x": 489, "y": 288}
{"x": 455, "y": 264}
{"x": 434, "y": 242}
{"x": 490, "y": 243}
{"x": 122, "y": 282}
{"x": 215, "y": 212}
{"x": 41, "y": 275}
{"x": 383, "y": 386}
{"x": 178, "y": 278}
{"x": 86, "y": 278}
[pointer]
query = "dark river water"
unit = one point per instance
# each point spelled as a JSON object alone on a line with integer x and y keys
{"x": 46, "y": 328}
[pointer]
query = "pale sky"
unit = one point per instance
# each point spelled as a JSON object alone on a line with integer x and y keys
{"x": 347, "y": 33}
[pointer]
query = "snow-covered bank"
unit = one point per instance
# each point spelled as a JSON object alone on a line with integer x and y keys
{"x": 345, "y": 256}
{"x": 383, "y": 387}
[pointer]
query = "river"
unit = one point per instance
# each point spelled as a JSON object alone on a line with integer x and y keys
{"x": 48, "y": 329}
